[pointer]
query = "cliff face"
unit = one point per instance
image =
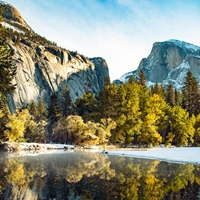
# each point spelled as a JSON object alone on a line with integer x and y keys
{"x": 169, "y": 62}
{"x": 43, "y": 68}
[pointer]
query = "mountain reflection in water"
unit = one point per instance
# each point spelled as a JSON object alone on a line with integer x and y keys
{"x": 92, "y": 176}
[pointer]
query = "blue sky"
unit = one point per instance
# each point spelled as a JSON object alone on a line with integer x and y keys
{"x": 121, "y": 31}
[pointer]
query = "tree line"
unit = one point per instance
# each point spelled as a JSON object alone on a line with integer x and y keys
{"x": 128, "y": 114}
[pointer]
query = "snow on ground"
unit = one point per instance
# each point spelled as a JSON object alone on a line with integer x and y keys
{"x": 176, "y": 155}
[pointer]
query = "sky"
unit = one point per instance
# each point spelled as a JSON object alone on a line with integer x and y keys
{"x": 120, "y": 31}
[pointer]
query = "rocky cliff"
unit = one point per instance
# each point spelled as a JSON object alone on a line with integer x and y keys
{"x": 169, "y": 62}
{"x": 43, "y": 68}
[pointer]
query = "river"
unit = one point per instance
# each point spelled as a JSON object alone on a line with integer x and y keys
{"x": 87, "y": 175}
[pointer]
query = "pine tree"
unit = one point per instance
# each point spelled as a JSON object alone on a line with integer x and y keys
{"x": 54, "y": 112}
{"x": 191, "y": 95}
{"x": 158, "y": 89}
{"x": 33, "y": 110}
{"x": 170, "y": 95}
{"x": 131, "y": 79}
{"x": 66, "y": 102}
{"x": 141, "y": 78}
{"x": 7, "y": 71}
{"x": 86, "y": 106}
{"x": 42, "y": 109}
{"x": 178, "y": 98}
{"x": 128, "y": 113}
{"x": 108, "y": 102}
{"x": 7, "y": 67}
{"x": 4, "y": 120}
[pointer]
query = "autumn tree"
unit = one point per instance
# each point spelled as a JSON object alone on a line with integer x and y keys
{"x": 16, "y": 125}
{"x": 181, "y": 126}
{"x": 149, "y": 128}
{"x": 128, "y": 120}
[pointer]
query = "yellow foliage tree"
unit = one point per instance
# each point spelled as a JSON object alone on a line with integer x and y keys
{"x": 16, "y": 126}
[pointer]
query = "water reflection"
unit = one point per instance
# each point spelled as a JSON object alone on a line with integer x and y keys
{"x": 87, "y": 175}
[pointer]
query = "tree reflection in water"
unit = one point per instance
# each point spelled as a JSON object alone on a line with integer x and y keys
{"x": 86, "y": 175}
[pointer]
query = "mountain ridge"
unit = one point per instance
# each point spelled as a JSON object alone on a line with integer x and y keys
{"x": 168, "y": 62}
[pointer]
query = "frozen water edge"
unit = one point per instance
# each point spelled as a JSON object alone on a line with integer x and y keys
{"x": 175, "y": 155}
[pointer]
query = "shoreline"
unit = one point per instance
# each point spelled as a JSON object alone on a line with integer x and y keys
{"x": 183, "y": 155}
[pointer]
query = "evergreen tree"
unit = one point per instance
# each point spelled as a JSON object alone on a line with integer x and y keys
{"x": 141, "y": 78}
{"x": 86, "y": 106}
{"x": 66, "y": 102}
{"x": 33, "y": 110}
{"x": 107, "y": 81}
{"x": 158, "y": 89}
{"x": 42, "y": 109}
{"x": 170, "y": 95}
{"x": 7, "y": 67}
{"x": 131, "y": 79}
{"x": 4, "y": 120}
{"x": 54, "y": 112}
{"x": 128, "y": 120}
{"x": 108, "y": 102}
{"x": 191, "y": 95}
{"x": 7, "y": 71}
{"x": 178, "y": 98}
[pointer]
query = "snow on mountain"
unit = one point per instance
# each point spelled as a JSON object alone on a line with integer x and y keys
{"x": 182, "y": 44}
{"x": 6, "y": 25}
{"x": 168, "y": 62}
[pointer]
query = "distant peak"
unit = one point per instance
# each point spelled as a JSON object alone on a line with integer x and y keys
{"x": 183, "y": 44}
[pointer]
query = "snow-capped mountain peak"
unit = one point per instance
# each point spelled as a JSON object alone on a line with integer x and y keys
{"x": 169, "y": 62}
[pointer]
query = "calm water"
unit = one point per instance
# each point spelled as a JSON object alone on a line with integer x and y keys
{"x": 92, "y": 176}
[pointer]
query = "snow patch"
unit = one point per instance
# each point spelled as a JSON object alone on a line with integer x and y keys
{"x": 176, "y": 155}
{"x": 6, "y": 25}
{"x": 186, "y": 45}
{"x": 124, "y": 78}
{"x": 177, "y": 75}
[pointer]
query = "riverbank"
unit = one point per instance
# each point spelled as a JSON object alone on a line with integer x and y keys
{"x": 22, "y": 146}
{"x": 176, "y": 155}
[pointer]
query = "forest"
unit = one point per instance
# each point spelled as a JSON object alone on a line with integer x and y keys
{"x": 124, "y": 115}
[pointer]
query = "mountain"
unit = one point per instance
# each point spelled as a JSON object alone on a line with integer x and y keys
{"x": 44, "y": 68}
{"x": 169, "y": 62}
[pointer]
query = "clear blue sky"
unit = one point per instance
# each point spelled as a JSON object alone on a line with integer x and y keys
{"x": 121, "y": 31}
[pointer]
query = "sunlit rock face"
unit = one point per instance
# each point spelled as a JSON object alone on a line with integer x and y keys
{"x": 169, "y": 62}
{"x": 43, "y": 68}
